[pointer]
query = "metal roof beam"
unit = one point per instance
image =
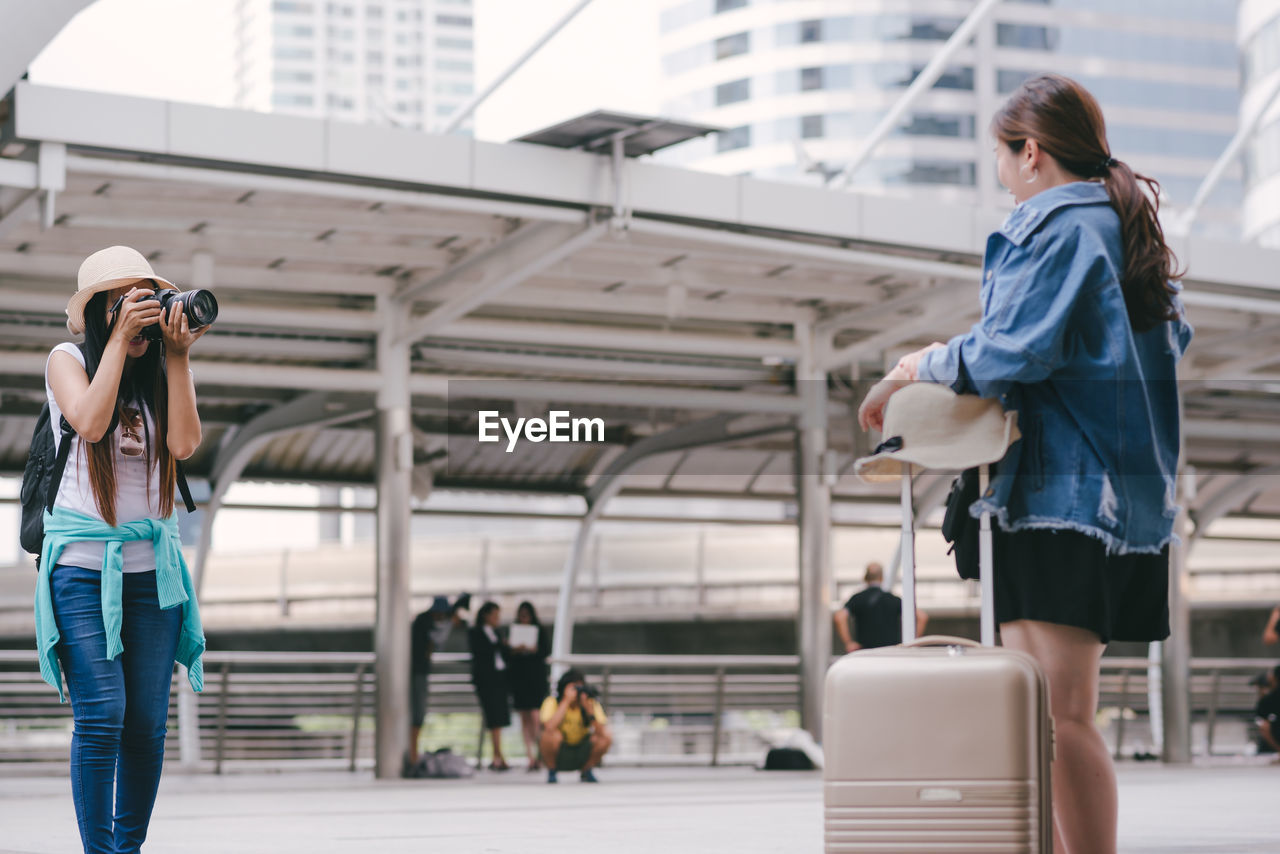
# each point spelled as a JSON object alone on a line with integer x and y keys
{"x": 940, "y": 314}
{"x": 858, "y": 258}
{"x": 520, "y": 257}
{"x": 326, "y": 187}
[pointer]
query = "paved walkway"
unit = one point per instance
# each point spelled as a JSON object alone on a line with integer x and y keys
{"x": 1222, "y": 809}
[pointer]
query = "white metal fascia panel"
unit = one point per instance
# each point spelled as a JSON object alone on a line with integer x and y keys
{"x": 671, "y": 191}
{"x": 1234, "y": 263}
{"x": 246, "y": 137}
{"x": 52, "y": 114}
{"x": 795, "y": 207}
{"x": 917, "y": 222}
{"x": 539, "y": 171}
{"x": 398, "y": 154}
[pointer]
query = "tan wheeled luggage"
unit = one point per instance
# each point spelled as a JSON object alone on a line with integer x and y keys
{"x": 939, "y": 745}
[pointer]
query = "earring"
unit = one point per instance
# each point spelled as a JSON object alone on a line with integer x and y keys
{"x": 1035, "y": 174}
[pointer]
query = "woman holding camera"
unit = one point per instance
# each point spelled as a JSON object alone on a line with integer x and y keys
{"x": 115, "y": 606}
{"x": 1081, "y": 333}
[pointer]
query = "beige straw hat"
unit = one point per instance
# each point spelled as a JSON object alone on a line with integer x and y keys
{"x": 932, "y": 427}
{"x": 106, "y": 269}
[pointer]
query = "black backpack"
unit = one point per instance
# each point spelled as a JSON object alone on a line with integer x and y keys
{"x": 43, "y": 475}
{"x": 787, "y": 759}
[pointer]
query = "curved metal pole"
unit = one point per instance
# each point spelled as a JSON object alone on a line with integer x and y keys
{"x": 317, "y": 409}
{"x": 715, "y": 430}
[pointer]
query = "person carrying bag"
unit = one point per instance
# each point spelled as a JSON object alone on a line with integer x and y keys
{"x": 114, "y": 602}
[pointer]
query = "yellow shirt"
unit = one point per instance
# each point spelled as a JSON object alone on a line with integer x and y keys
{"x": 571, "y": 727}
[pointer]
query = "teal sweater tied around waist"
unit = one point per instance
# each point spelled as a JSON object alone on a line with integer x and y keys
{"x": 173, "y": 586}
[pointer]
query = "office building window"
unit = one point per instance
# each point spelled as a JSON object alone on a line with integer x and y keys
{"x": 294, "y": 31}
{"x": 287, "y": 53}
{"x": 459, "y": 65}
{"x": 734, "y": 138}
{"x": 732, "y": 93}
{"x": 302, "y": 77}
{"x": 454, "y": 44}
{"x": 812, "y": 127}
{"x": 453, "y": 20}
{"x": 289, "y": 99}
{"x": 1026, "y": 36}
{"x": 296, "y": 8}
{"x": 811, "y": 78}
{"x": 1008, "y": 79}
{"x": 734, "y": 45}
{"x": 940, "y": 124}
{"x": 729, "y": 5}
{"x": 811, "y": 31}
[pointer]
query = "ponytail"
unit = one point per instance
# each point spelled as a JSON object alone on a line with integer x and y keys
{"x": 1067, "y": 122}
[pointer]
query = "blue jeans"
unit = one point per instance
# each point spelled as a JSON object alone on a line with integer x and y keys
{"x": 121, "y": 707}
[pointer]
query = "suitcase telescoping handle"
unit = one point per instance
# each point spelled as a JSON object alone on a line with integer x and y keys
{"x": 943, "y": 640}
{"x": 908, "y": 564}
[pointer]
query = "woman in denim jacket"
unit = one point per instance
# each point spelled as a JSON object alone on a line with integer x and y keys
{"x": 1081, "y": 332}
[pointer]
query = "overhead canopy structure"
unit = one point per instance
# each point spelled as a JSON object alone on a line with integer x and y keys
{"x": 380, "y": 287}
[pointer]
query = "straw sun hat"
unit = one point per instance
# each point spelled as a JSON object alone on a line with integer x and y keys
{"x": 932, "y": 427}
{"x": 104, "y": 270}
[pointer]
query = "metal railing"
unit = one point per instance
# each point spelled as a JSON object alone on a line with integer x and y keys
{"x": 287, "y": 707}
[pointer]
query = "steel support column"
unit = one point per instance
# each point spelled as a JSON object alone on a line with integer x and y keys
{"x": 1175, "y": 680}
{"x": 813, "y": 491}
{"x": 394, "y": 466}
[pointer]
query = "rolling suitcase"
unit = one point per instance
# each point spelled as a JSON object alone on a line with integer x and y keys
{"x": 940, "y": 744}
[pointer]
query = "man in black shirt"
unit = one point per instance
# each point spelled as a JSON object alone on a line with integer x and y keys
{"x": 876, "y": 615}
{"x": 430, "y": 630}
{"x": 1268, "y": 711}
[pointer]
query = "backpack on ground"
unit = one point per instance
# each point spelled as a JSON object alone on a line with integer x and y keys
{"x": 42, "y": 476}
{"x": 443, "y": 763}
{"x": 787, "y": 759}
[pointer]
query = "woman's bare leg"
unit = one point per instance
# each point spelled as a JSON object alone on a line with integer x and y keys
{"x": 1085, "y": 800}
{"x": 529, "y": 729}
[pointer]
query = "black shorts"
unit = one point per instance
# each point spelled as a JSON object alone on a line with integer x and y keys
{"x": 1067, "y": 578}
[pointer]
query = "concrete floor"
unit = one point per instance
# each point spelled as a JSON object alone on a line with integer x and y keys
{"x": 1219, "y": 809}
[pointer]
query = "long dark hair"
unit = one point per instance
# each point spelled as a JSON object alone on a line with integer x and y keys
{"x": 1066, "y": 121}
{"x": 483, "y": 614}
{"x": 144, "y": 382}
{"x": 533, "y": 613}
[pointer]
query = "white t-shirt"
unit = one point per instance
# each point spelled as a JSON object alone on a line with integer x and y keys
{"x": 137, "y": 496}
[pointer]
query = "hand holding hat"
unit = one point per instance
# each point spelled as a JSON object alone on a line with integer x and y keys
{"x": 931, "y": 426}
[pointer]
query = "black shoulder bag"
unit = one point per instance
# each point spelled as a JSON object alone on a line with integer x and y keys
{"x": 958, "y": 527}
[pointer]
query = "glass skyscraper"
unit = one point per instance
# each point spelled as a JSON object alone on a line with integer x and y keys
{"x": 800, "y": 82}
{"x": 407, "y": 63}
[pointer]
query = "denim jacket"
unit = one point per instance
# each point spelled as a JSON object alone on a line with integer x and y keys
{"x": 1097, "y": 402}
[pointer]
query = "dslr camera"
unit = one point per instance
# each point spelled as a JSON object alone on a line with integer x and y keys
{"x": 585, "y": 690}
{"x": 200, "y": 306}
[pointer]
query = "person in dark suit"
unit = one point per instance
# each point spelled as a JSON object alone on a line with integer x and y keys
{"x": 489, "y": 676}
{"x": 529, "y": 678}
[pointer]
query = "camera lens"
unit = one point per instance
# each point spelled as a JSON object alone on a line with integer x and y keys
{"x": 201, "y": 308}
